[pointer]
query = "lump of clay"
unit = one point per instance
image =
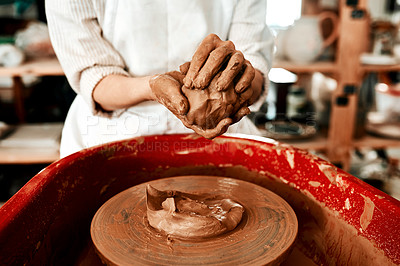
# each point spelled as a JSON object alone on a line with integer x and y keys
{"x": 187, "y": 216}
{"x": 209, "y": 106}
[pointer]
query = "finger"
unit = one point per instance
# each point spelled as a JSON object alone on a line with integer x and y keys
{"x": 213, "y": 64}
{"x": 240, "y": 114}
{"x": 199, "y": 58}
{"x": 184, "y": 68}
{"x": 245, "y": 96}
{"x": 196, "y": 129}
{"x": 246, "y": 78}
{"x": 234, "y": 66}
{"x": 168, "y": 92}
{"x": 220, "y": 129}
{"x": 178, "y": 76}
{"x": 187, "y": 124}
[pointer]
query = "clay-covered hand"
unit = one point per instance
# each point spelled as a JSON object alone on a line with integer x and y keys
{"x": 211, "y": 111}
{"x": 212, "y": 55}
{"x": 166, "y": 89}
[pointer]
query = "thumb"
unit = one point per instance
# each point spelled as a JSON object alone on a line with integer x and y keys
{"x": 168, "y": 92}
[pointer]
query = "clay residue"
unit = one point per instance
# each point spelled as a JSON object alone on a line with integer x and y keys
{"x": 326, "y": 237}
{"x": 314, "y": 183}
{"x": 191, "y": 216}
{"x": 290, "y": 158}
{"x": 329, "y": 171}
{"x": 249, "y": 151}
{"x": 368, "y": 212}
{"x": 105, "y": 187}
{"x": 347, "y": 204}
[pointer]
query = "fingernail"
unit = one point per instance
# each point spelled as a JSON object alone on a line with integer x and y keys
{"x": 182, "y": 108}
{"x": 219, "y": 86}
{"x": 197, "y": 84}
{"x": 187, "y": 82}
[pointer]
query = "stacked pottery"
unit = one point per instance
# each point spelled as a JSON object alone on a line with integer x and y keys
{"x": 303, "y": 42}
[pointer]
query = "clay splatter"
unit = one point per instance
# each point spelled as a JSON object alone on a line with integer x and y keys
{"x": 366, "y": 216}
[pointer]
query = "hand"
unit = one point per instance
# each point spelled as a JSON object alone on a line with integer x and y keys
{"x": 210, "y": 57}
{"x": 222, "y": 126}
{"x": 220, "y": 129}
{"x": 166, "y": 89}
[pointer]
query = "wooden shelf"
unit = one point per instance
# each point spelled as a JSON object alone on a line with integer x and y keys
{"x": 31, "y": 144}
{"x": 324, "y": 67}
{"x": 380, "y": 68}
{"x": 369, "y": 141}
{"x": 48, "y": 66}
{"x": 37, "y": 67}
{"x": 28, "y": 156}
{"x": 317, "y": 143}
{"x": 329, "y": 67}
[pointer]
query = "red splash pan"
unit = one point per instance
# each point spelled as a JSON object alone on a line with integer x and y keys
{"x": 342, "y": 220}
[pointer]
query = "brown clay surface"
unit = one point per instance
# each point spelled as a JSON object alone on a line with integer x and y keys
{"x": 191, "y": 216}
{"x": 122, "y": 235}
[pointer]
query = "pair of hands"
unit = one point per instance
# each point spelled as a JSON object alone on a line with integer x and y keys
{"x": 213, "y": 59}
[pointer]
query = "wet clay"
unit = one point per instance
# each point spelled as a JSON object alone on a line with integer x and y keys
{"x": 212, "y": 91}
{"x": 122, "y": 234}
{"x": 209, "y": 106}
{"x": 222, "y": 97}
{"x": 191, "y": 216}
{"x": 208, "y": 111}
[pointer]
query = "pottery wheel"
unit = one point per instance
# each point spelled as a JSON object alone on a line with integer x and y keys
{"x": 122, "y": 235}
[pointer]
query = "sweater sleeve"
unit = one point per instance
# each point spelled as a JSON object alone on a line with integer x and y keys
{"x": 85, "y": 56}
{"x": 253, "y": 38}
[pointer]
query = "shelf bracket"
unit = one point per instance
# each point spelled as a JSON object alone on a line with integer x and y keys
{"x": 342, "y": 100}
{"x": 350, "y": 89}
{"x": 352, "y": 3}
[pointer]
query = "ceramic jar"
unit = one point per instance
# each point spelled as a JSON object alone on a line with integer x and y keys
{"x": 303, "y": 42}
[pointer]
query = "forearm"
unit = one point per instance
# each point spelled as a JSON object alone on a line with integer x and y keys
{"x": 119, "y": 92}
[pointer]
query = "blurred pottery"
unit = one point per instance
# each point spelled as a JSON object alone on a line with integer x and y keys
{"x": 303, "y": 42}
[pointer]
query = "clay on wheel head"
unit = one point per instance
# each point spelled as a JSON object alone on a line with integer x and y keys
{"x": 185, "y": 215}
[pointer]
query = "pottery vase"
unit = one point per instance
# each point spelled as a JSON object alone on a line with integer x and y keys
{"x": 303, "y": 42}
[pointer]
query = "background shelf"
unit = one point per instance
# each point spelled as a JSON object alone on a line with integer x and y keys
{"x": 380, "y": 68}
{"x": 37, "y": 67}
{"x": 324, "y": 67}
{"x": 28, "y": 156}
{"x": 319, "y": 143}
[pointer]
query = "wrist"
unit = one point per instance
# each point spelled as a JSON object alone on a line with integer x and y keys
{"x": 120, "y": 92}
{"x": 150, "y": 94}
{"x": 257, "y": 86}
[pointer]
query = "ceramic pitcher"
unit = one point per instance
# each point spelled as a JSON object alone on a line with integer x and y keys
{"x": 303, "y": 42}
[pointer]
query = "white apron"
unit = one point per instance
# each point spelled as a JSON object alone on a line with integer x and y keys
{"x": 152, "y": 37}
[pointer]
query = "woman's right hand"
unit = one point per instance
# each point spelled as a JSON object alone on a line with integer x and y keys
{"x": 207, "y": 61}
